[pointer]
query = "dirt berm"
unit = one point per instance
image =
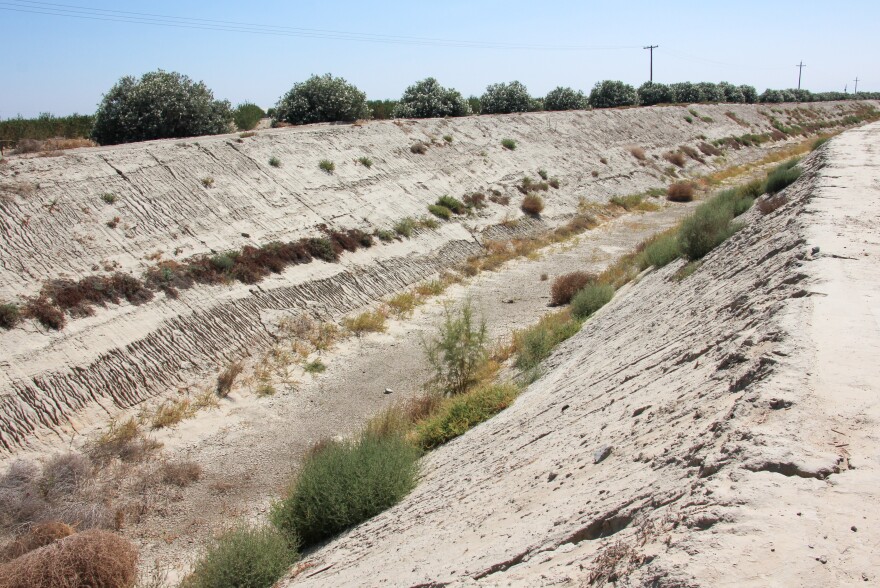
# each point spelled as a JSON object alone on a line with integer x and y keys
{"x": 715, "y": 430}
{"x": 94, "y": 212}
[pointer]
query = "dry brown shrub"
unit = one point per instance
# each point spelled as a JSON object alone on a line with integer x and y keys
{"x": 692, "y": 153}
{"x": 567, "y": 285}
{"x": 638, "y": 153}
{"x": 227, "y": 378}
{"x": 37, "y": 536}
{"x": 181, "y": 473}
{"x": 124, "y": 441}
{"x": 680, "y": 192}
{"x": 91, "y": 559}
{"x": 675, "y": 158}
{"x": 778, "y": 135}
{"x": 419, "y": 148}
{"x": 500, "y": 199}
{"x": 708, "y": 149}
{"x": 532, "y": 205}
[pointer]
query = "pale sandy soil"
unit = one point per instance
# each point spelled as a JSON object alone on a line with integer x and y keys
{"x": 716, "y": 431}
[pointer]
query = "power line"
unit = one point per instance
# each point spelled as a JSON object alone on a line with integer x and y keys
{"x": 651, "y": 71}
{"x": 98, "y": 14}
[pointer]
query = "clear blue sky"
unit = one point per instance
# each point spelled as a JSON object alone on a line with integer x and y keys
{"x": 63, "y": 65}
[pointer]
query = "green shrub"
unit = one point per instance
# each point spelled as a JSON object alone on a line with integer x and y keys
{"x": 612, "y": 93}
{"x": 660, "y": 252}
{"x": 590, "y": 299}
{"x": 750, "y": 95}
{"x": 246, "y": 557}
{"x": 731, "y": 93}
{"x": 246, "y": 116}
{"x": 440, "y": 211}
{"x": 506, "y": 98}
{"x": 9, "y": 315}
{"x": 46, "y": 126}
{"x": 475, "y": 104}
{"x": 705, "y": 229}
{"x": 345, "y": 483}
{"x": 453, "y": 204}
{"x": 385, "y": 235}
{"x": 315, "y": 367}
{"x": 458, "y": 350}
{"x": 508, "y": 144}
{"x": 447, "y": 138}
{"x": 458, "y": 414}
{"x": 651, "y": 93}
{"x": 404, "y": 227}
{"x": 327, "y": 165}
{"x": 782, "y": 176}
{"x": 561, "y": 98}
{"x": 108, "y": 197}
{"x": 366, "y": 162}
{"x": 533, "y": 344}
{"x": 160, "y": 105}
{"x": 428, "y": 99}
{"x": 322, "y": 99}
{"x": 381, "y": 109}
{"x": 274, "y": 161}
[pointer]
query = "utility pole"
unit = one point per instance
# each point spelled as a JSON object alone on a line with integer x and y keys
{"x": 800, "y": 67}
{"x": 856, "y": 89}
{"x": 651, "y": 49}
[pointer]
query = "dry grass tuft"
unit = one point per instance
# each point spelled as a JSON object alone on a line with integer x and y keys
{"x": 366, "y": 322}
{"x": 227, "y": 377}
{"x": 675, "y": 157}
{"x": 567, "y": 285}
{"x": 181, "y": 473}
{"x": 708, "y": 149}
{"x": 680, "y": 192}
{"x": 90, "y": 559}
{"x": 419, "y": 148}
{"x": 771, "y": 203}
{"x": 172, "y": 412}
{"x": 638, "y": 153}
{"x": 123, "y": 440}
{"x": 403, "y": 304}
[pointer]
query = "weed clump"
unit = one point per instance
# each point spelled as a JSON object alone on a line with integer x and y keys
{"x": 590, "y": 299}
{"x": 783, "y": 176}
{"x": 456, "y": 415}
{"x": 440, "y": 211}
{"x": 453, "y": 204}
{"x": 638, "y": 153}
{"x": 508, "y": 144}
{"x": 705, "y": 229}
{"x": 344, "y": 483}
{"x": 366, "y": 322}
{"x": 534, "y": 344}
{"x": 274, "y": 161}
{"x": 418, "y": 148}
{"x": 532, "y": 204}
{"x": 680, "y": 192}
{"x": 245, "y": 557}
{"x": 366, "y": 162}
{"x": 458, "y": 350}
{"x": 567, "y": 285}
{"x": 404, "y": 227}
{"x": 327, "y": 166}
{"x": 227, "y": 377}
{"x": 9, "y": 315}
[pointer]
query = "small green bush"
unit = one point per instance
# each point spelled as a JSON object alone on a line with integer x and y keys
{"x": 385, "y": 235}
{"x": 543, "y": 173}
{"x": 590, "y": 299}
{"x": 404, "y": 227}
{"x": 534, "y": 344}
{"x": 246, "y": 557}
{"x": 509, "y": 144}
{"x": 322, "y": 99}
{"x": 440, "y": 211}
{"x": 274, "y": 162}
{"x": 709, "y": 226}
{"x": 9, "y": 315}
{"x": 447, "y": 138}
{"x": 345, "y": 483}
{"x": 453, "y": 204}
{"x": 660, "y": 252}
{"x": 458, "y": 414}
{"x": 108, "y": 197}
{"x": 783, "y": 176}
{"x": 327, "y": 165}
{"x": 366, "y": 162}
{"x": 246, "y": 116}
{"x": 458, "y": 350}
